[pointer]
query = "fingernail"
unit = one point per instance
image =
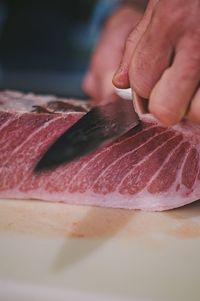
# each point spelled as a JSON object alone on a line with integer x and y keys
{"x": 118, "y": 72}
{"x": 121, "y": 78}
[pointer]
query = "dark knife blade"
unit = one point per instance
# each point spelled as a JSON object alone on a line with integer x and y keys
{"x": 99, "y": 126}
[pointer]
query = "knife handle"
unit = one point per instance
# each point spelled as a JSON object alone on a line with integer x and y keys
{"x": 140, "y": 104}
{"x": 124, "y": 93}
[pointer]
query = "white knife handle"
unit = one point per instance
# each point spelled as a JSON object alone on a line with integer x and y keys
{"x": 124, "y": 93}
{"x": 140, "y": 104}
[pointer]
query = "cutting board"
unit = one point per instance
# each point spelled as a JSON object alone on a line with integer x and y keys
{"x": 56, "y": 250}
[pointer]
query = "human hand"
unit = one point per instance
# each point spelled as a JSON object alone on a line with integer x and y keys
{"x": 107, "y": 55}
{"x": 161, "y": 61}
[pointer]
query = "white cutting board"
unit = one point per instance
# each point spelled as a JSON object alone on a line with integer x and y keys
{"x": 58, "y": 252}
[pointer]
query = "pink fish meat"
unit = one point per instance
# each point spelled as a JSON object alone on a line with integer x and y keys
{"x": 156, "y": 168}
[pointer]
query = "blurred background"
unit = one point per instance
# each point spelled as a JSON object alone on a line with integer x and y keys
{"x": 45, "y": 46}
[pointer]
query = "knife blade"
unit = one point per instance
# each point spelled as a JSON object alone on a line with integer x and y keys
{"x": 101, "y": 125}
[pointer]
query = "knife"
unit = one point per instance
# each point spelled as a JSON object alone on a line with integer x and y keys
{"x": 101, "y": 125}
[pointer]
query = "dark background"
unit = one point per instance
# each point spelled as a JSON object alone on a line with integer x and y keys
{"x": 45, "y": 46}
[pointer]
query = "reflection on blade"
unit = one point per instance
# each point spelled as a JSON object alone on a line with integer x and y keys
{"x": 100, "y": 125}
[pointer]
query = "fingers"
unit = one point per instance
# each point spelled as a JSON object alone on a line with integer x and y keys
{"x": 162, "y": 61}
{"x": 89, "y": 85}
{"x": 170, "y": 98}
{"x": 121, "y": 77}
{"x": 107, "y": 89}
{"x": 100, "y": 90}
{"x": 106, "y": 57}
{"x": 98, "y": 81}
{"x": 151, "y": 57}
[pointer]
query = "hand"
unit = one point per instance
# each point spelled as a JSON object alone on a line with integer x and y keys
{"x": 107, "y": 55}
{"x": 161, "y": 61}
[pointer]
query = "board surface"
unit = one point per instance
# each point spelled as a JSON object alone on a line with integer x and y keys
{"x": 131, "y": 255}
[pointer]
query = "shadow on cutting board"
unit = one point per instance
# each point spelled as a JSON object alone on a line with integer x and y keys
{"x": 98, "y": 226}
{"x": 85, "y": 229}
{"x": 188, "y": 218}
{"x": 145, "y": 227}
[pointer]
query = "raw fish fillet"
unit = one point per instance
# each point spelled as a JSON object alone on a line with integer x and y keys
{"x": 156, "y": 168}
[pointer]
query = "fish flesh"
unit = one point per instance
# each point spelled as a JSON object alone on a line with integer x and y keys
{"x": 155, "y": 168}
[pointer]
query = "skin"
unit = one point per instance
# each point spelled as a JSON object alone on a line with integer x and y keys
{"x": 161, "y": 61}
{"x": 108, "y": 53}
{"x": 161, "y": 52}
